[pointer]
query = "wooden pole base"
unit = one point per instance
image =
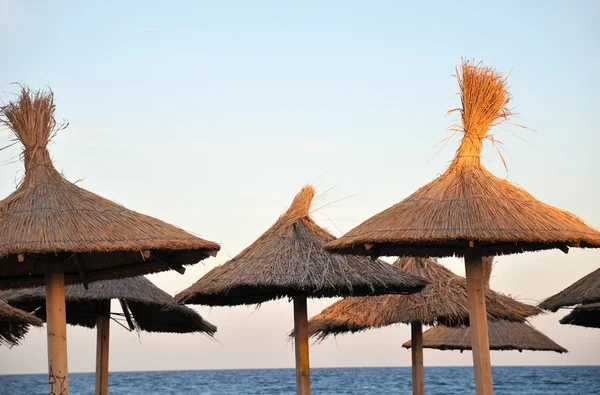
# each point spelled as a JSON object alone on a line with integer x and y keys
{"x": 301, "y": 345}
{"x": 418, "y": 376}
{"x": 56, "y": 328}
{"x": 102, "y": 342}
{"x": 478, "y": 322}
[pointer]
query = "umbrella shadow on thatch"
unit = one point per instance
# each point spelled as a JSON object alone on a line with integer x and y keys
{"x": 288, "y": 261}
{"x": 14, "y": 324}
{"x": 443, "y": 301}
{"x": 503, "y": 335}
{"x": 145, "y": 306}
{"x": 586, "y": 315}
{"x": 584, "y": 291}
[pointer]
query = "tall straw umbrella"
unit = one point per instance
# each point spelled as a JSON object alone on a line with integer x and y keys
{"x": 52, "y": 232}
{"x": 468, "y": 212}
{"x": 504, "y": 335}
{"x": 587, "y": 315}
{"x": 444, "y": 301}
{"x": 145, "y": 307}
{"x": 585, "y": 293}
{"x": 14, "y": 324}
{"x": 288, "y": 260}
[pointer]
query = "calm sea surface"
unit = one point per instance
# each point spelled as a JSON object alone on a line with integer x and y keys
{"x": 347, "y": 381}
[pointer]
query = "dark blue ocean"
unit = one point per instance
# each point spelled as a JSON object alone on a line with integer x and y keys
{"x": 528, "y": 380}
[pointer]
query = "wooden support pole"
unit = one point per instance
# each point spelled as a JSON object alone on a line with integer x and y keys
{"x": 103, "y": 336}
{"x": 301, "y": 345}
{"x": 418, "y": 376}
{"x": 478, "y": 321}
{"x": 56, "y": 328}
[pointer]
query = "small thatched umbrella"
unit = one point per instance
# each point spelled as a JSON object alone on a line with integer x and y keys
{"x": 587, "y": 315}
{"x": 14, "y": 324}
{"x": 145, "y": 307}
{"x": 504, "y": 335}
{"x": 444, "y": 301}
{"x": 583, "y": 291}
{"x": 288, "y": 260}
{"x": 470, "y": 213}
{"x": 52, "y": 231}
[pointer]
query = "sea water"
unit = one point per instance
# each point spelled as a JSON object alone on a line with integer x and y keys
{"x": 517, "y": 380}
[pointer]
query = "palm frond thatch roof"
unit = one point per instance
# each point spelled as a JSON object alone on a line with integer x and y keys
{"x": 152, "y": 309}
{"x": 587, "y": 315}
{"x": 50, "y": 218}
{"x": 467, "y": 205}
{"x": 288, "y": 260}
{"x": 14, "y": 324}
{"x": 583, "y": 291}
{"x": 444, "y": 300}
{"x": 504, "y": 335}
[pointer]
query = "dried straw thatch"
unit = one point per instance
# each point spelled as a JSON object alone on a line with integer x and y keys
{"x": 444, "y": 301}
{"x": 587, "y": 315}
{"x": 504, "y": 335}
{"x": 583, "y": 291}
{"x": 14, "y": 324}
{"x": 152, "y": 309}
{"x": 49, "y": 218}
{"x": 468, "y": 205}
{"x": 288, "y": 260}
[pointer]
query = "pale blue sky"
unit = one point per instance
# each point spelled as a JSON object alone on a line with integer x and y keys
{"x": 212, "y": 116}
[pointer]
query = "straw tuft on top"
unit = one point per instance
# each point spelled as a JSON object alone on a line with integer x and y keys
{"x": 50, "y": 219}
{"x": 443, "y": 301}
{"x": 288, "y": 260}
{"x": 583, "y": 291}
{"x": 152, "y": 309}
{"x": 504, "y": 336}
{"x": 14, "y": 324}
{"x": 484, "y": 98}
{"x": 468, "y": 206}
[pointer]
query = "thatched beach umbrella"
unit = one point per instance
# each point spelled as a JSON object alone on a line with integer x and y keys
{"x": 288, "y": 261}
{"x": 583, "y": 291}
{"x": 52, "y": 232}
{"x": 504, "y": 335}
{"x": 14, "y": 324}
{"x": 468, "y": 212}
{"x": 145, "y": 307}
{"x": 585, "y": 295}
{"x": 444, "y": 301}
{"x": 587, "y": 315}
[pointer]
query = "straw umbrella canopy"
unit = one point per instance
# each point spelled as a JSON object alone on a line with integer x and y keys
{"x": 52, "y": 231}
{"x": 583, "y": 291}
{"x": 587, "y": 315}
{"x": 14, "y": 324}
{"x": 444, "y": 301}
{"x": 468, "y": 212}
{"x": 145, "y": 307}
{"x": 288, "y": 260}
{"x": 504, "y": 335}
